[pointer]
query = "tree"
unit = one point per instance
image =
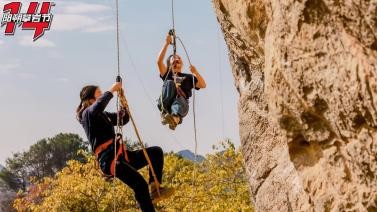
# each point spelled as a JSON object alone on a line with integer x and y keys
{"x": 7, "y": 198}
{"x": 7, "y": 194}
{"x": 43, "y": 159}
{"x": 9, "y": 181}
{"x": 219, "y": 184}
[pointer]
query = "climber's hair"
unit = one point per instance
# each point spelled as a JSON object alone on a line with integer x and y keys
{"x": 86, "y": 94}
{"x": 168, "y": 63}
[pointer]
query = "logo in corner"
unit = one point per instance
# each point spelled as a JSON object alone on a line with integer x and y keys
{"x": 31, "y": 20}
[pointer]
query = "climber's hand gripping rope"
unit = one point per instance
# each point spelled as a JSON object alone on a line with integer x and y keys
{"x": 174, "y": 40}
{"x": 122, "y": 98}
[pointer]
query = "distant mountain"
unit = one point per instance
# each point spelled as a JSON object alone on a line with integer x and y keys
{"x": 1, "y": 168}
{"x": 187, "y": 154}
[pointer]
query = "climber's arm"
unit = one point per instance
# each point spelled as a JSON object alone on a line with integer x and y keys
{"x": 160, "y": 61}
{"x": 101, "y": 103}
{"x": 201, "y": 83}
{"x": 123, "y": 114}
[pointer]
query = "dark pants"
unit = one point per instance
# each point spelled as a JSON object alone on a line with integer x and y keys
{"x": 127, "y": 173}
{"x": 170, "y": 103}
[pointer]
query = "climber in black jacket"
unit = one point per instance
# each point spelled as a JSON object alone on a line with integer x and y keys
{"x": 99, "y": 128}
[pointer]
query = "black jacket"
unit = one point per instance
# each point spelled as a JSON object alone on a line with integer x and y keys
{"x": 99, "y": 124}
{"x": 186, "y": 81}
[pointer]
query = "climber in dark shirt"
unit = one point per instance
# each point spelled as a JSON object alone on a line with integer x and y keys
{"x": 99, "y": 128}
{"x": 177, "y": 87}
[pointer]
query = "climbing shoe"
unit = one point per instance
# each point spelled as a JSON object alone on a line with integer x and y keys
{"x": 172, "y": 126}
{"x": 165, "y": 192}
{"x": 175, "y": 120}
{"x": 170, "y": 120}
{"x": 164, "y": 121}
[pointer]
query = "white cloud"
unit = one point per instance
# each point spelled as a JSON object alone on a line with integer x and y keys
{"x": 41, "y": 42}
{"x": 63, "y": 80}
{"x": 78, "y": 16}
{"x": 56, "y": 55}
{"x": 26, "y": 75}
{"x": 13, "y": 68}
{"x": 68, "y": 22}
{"x": 73, "y": 22}
{"x": 80, "y": 8}
{"x": 83, "y": 17}
{"x": 100, "y": 28}
{"x": 8, "y": 68}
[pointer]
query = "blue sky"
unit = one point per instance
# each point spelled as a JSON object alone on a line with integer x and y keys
{"x": 40, "y": 82}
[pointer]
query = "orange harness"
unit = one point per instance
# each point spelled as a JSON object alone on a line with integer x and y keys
{"x": 121, "y": 149}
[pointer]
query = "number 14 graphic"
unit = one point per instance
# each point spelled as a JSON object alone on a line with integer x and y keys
{"x": 31, "y": 20}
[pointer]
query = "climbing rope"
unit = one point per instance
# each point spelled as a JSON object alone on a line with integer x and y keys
{"x": 122, "y": 103}
{"x": 126, "y": 106}
{"x": 119, "y": 124}
{"x": 195, "y": 129}
{"x": 173, "y": 33}
{"x": 142, "y": 84}
{"x": 157, "y": 183}
{"x": 170, "y": 68}
{"x": 136, "y": 72}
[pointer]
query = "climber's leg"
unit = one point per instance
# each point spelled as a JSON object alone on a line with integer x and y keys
{"x": 156, "y": 155}
{"x": 167, "y": 97}
{"x": 130, "y": 176}
{"x": 180, "y": 108}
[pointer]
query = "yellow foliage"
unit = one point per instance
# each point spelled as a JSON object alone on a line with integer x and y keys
{"x": 216, "y": 184}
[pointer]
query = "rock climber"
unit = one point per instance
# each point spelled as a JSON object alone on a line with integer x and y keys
{"x": 177, "y": 87}
{"x": 99, "y": 128}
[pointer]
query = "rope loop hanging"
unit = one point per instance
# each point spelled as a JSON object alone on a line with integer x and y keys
{"x": 121, "y": 103}
{"x": 172, "y": 32}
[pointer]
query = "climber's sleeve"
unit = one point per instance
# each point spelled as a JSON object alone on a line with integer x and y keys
{"x": 101, "y": 103}
{"x": 167, "y": 75}
{"x": 195, "y": 82}
{"x": 114, "y": 118}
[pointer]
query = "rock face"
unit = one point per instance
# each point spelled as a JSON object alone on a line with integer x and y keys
{"x": 306, "y": 74}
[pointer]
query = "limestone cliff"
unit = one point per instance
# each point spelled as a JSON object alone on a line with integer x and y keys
{"x": 306, "y": 74}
